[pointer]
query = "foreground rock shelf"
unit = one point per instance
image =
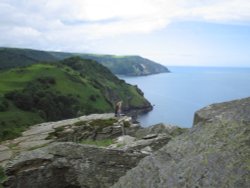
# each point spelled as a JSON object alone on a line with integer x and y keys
{"x": 37, "y": 135}
{"x": 215, "y": 152}
{"x": 54, "y": 154}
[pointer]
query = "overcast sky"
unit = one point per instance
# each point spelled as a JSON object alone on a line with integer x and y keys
{"x": 171, "y": 32}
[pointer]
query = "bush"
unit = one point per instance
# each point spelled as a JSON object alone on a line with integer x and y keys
{"x": 2, "y": 174}
{"x": 92, "y": 98}
{"x": 47, "y": 80}
{"x": 3, "y": 105}
{"x": 49, "y": 104}
{"x": 8, "y": 134}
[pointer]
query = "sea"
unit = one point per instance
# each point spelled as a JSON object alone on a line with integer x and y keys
{"x": 176, "y": 96}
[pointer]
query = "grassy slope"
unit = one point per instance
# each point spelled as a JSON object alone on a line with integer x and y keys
{"x": 88, "y": 80}
{"x": 113, "y": 88}
{"x": 15, "y": 120}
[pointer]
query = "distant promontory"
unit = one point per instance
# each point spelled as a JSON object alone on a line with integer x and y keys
{"x": 122, "y": 65}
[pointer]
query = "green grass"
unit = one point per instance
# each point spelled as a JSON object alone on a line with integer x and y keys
{"x": 103, "y": 122}
{"x": 100, "y": 143}
{"x": 2, "y": 175}
{"x": 14, "y": 121}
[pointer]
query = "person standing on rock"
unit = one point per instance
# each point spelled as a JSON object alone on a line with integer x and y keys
{"x": 118, "y": 109}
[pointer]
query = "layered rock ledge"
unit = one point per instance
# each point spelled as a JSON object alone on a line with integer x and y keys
{"x": 59, "y": 154}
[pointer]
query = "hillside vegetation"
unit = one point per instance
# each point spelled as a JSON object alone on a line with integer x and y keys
{"x": 60, "y": 90}
{"x": 124, "y": 65}
{"x": 16, "y": 57}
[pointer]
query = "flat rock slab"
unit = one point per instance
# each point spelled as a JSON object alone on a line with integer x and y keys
{"x": 28, "y": 145}
{"x": 5, "y": 153}
{"x": 36, "y": 136}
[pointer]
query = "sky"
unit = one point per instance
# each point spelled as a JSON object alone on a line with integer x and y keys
{"x": 170, "y": 32}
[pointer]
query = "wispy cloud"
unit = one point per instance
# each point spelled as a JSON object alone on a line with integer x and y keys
{"x": 63, "y": 22}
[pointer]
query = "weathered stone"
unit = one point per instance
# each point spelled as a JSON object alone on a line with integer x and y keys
{"x": 37, "y": 135}
{"x": 28, "y": 145}
{"x": 149, "y": 136}
{"x": 5, "y": 153}
{"x": 124, "y": 140}
{"x": 214, "y": 153}
{"x": 236, "y": 111}
{"x": 153, "y": 143}
{"x": 159, "y": 129}
{"x": 70, "y": 165}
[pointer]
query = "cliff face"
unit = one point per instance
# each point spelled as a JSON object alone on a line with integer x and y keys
{"x": 214, "y": 153}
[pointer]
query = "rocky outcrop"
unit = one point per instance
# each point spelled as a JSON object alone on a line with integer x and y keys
{"x": 233, "y": 111}
{"x": 64, "y": 161}
{"x": 38, "y": 136}
{"x": 70, "y": 165}
{"x": 214, "y": 153}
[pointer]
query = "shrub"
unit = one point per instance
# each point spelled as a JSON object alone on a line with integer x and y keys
{"x": 49, "y": 104}
{"x": 2, "y": 174}
{"x": 3, "y": 105}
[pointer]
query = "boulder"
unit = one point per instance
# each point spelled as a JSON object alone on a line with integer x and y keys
{"x": 159, "y": 129}
{"x": 124, "y": 140}
{"x": 68, "y": 164}
{"x": 232, "y": 111}
{"x": 215, "y": 153}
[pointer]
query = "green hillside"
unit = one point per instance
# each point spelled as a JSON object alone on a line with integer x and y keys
{"x": 60, "y": 90}
{"x": 124, "y": 65}
{"x": 16, "y": 57}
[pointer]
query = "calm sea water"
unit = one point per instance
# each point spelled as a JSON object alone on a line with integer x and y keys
{"x": 177, "y": 95}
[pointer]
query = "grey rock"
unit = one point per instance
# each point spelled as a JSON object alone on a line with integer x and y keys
{"x": 214, "y": 153}
{"x": 159, "y": 129}
{"x": 236, "y": 111}
{"x": 5, "y": 153}
{"x": 37, "y": 136}
{"x": 126, "y": 139}
{"x": 70, "y": 165}
{"x": 144, "y": 144}
{"x": 150, "y": 136}
{"x": 28, "y": 145}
